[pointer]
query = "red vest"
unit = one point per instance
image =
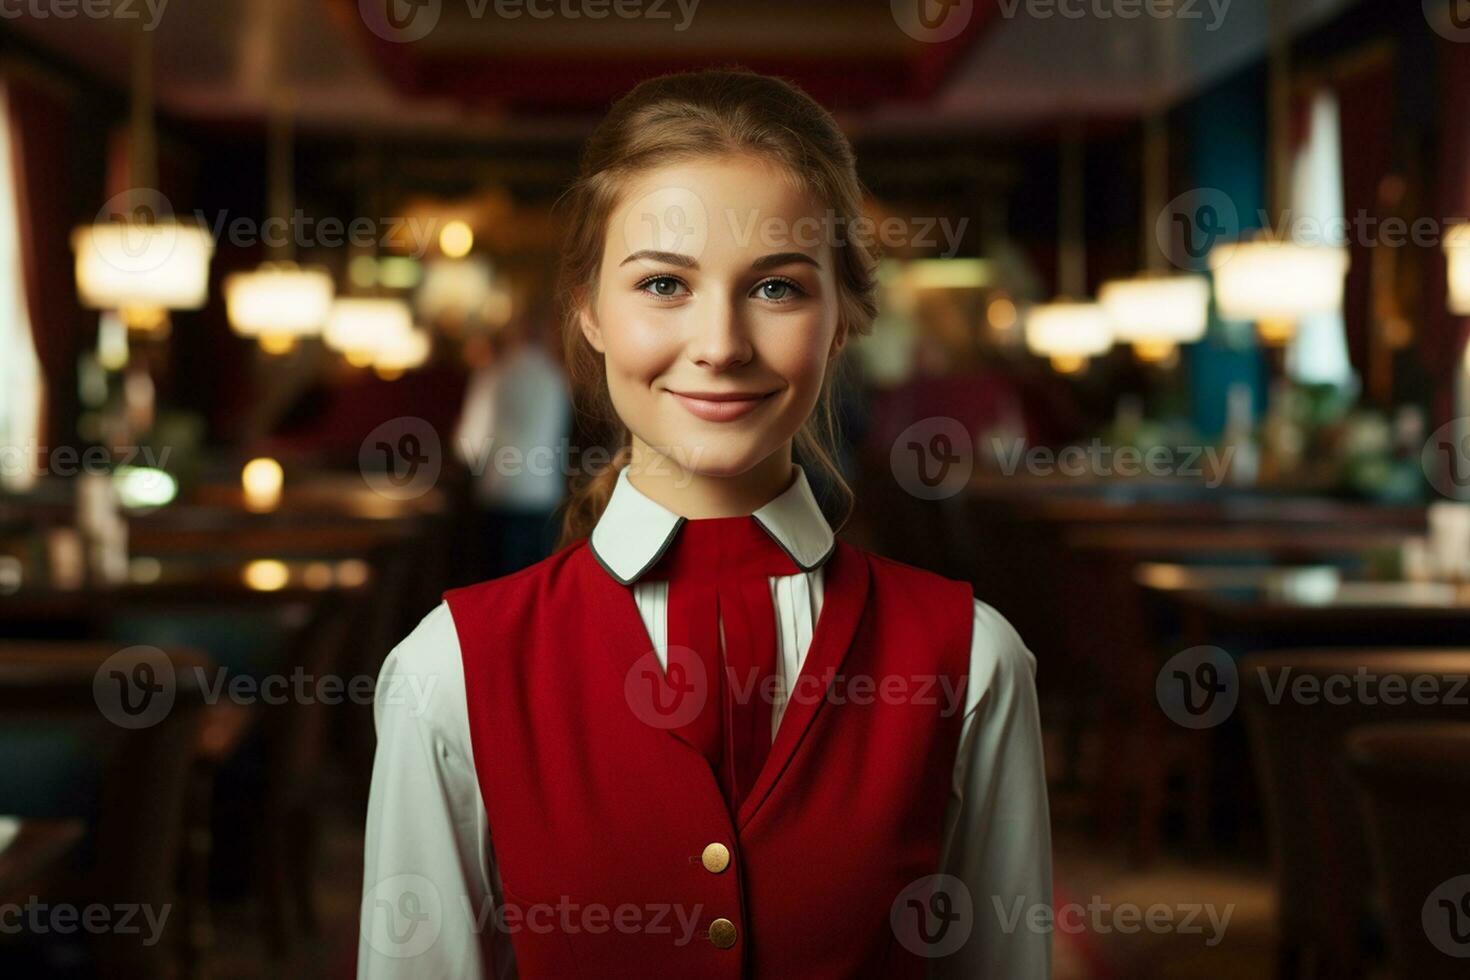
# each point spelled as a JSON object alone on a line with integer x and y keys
{"x": 599, "y": 820}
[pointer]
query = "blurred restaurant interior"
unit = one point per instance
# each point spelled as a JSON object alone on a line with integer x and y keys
{"x": 1174, "y": 296}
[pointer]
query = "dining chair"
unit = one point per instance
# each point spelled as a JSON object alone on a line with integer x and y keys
{"x": 1299, "y": 706}
{"x": 1414, "y": 781}
{"x": 143, "y": 748}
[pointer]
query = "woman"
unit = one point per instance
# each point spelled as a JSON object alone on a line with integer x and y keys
{"x": 705, "y": 739}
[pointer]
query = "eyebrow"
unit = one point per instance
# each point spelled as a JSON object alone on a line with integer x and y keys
{"x": 689, "y": 262}
{"x": 783, "y": 258}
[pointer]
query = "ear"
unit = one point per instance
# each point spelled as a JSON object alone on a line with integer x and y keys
{"x": 839, "y": 341}
{"x": 590, "y": 328}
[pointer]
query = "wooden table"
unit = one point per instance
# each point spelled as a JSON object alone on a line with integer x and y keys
{"x": 1308, "y": 606}
{"x": 190, "y": 582}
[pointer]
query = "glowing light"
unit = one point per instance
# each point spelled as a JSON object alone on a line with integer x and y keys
{"x": 143, "y": 267}
{"x": 1457, "y": 255}
{"x": 1068, "y": 333}
{"x": 400, "y": 272}
{"x": 278, "y": 303}
{"x": 948, "y": 273}
{"x": 1157, "y": 313}
{"x": 144, "y": 487}
{"x": 402, "y": 352}
{"x": 1002, "y": 315}
{"x": 361, "y": 327}
{"x": 262, "y": 480}
{"x": 352, "y": 573}
{"x": 266, "y": 575}
{"x": 456, "y": 239}
{"x": 112, "y": 341}
{"x": 1276, "y": 283}
{"x": 145, "y": 570}
{"x": 317, "y": 576}
{"x": 459, "y": 290}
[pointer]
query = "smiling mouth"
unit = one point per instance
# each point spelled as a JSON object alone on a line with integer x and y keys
{"x": 720, "y": 406}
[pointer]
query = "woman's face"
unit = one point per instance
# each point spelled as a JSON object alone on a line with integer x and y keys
{"x": 716, "y": 311}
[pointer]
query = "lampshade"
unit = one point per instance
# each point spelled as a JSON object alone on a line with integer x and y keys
{"x": 456, "y": 292}
{"x": 949, "y": 273}
{"x": 1155, "y": 313}
{"x": 279, "y": 300}
{"x": 1277, "y": 281}
{"x": 361, "y": 327}
{"x": 1068, "y": 333}
{"x": 1457, "y": 255}
{"x": 142, "y": 266}
{"x": 402, "y": 352}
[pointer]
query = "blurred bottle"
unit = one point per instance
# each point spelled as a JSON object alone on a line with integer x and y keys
{"x": 1239, "y": 437}
{"x": 102, "y": 525}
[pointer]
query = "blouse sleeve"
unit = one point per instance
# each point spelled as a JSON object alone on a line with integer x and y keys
{"x": 998, "y": 830}
{"x": 427, "y": 907}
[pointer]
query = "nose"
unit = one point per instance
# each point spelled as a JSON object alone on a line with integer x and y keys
{"x": 719, "y": 340}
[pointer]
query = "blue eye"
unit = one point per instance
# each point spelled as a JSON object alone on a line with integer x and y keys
{"x": 778, "y": 290}
{"x": 664, "y": 287}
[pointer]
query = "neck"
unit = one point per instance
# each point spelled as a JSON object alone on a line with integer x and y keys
{"x": 700, "y": 495}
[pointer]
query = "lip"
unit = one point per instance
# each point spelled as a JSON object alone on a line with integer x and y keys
{"x": 725, "y": 406}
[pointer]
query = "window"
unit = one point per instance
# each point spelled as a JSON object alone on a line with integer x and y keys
{"x": 1318, "y": 353}
{"x": 20, "y": 372}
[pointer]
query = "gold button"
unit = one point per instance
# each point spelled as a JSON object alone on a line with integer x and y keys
{"x": 722, "y": 933}
{"x": 716, "y": 858}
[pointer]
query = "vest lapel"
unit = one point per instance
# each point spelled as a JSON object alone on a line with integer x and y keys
{"x": 633, "y": 668}
{"x": 845, "y": 596}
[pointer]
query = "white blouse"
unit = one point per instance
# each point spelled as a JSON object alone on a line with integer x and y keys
{"x": 429, "y": 875}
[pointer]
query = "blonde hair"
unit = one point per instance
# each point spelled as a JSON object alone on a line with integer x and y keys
{"x": 688, "y": 116}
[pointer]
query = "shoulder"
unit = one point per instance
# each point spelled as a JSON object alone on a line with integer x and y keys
{"x": 1000, "y": 663}
{"x": 916, "y": 591}
{"x": 424, "y": 676}
{"x": 555, "y": 573}
{"x": 897, "y": 577}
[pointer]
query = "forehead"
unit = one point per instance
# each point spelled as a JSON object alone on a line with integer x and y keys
{"x": 726, "y": 207}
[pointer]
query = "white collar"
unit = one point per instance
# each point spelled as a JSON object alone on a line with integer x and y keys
{"x": 634, "y": 532}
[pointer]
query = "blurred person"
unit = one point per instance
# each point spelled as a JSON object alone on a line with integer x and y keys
{"x": 642, "y": 756}
{"x": 512, "y": 437}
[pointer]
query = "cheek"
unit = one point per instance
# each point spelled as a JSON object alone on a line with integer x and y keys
{"x": 637, "y": 346}
{"x": 798, "y": 352}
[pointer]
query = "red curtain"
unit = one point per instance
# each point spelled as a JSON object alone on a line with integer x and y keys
{"x": 40, "y": 117}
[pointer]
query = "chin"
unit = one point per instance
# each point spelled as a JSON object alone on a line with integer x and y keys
{"x": 721, "y": 457}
